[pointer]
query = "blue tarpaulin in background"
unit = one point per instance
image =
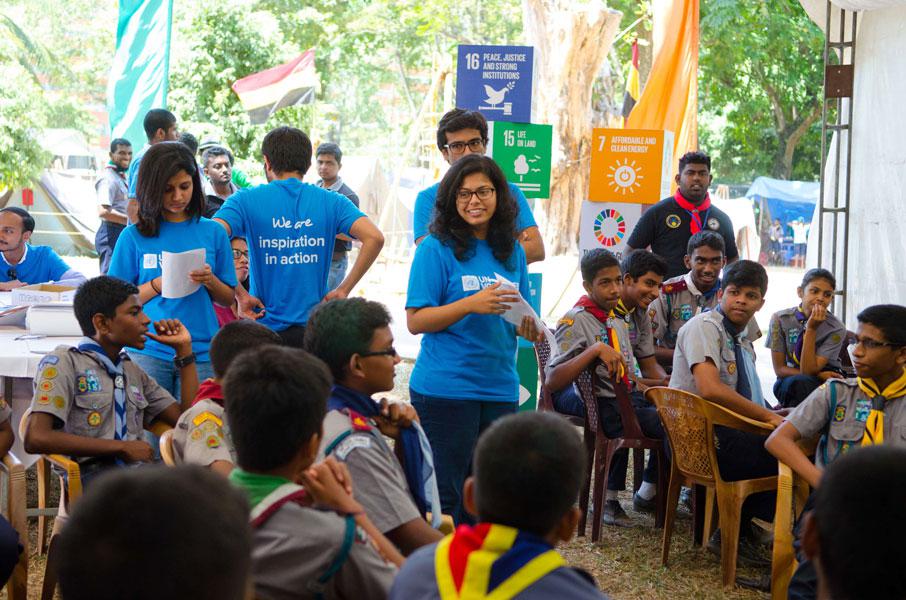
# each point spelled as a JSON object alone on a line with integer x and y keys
{"x": 786, "y": 200}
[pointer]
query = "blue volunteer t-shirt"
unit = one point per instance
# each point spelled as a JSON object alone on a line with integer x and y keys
{"x": 427, "y": 198}
{"x": 290, "y": 228}
{"x": 40, "y": 265}
{"x": 475, "y": 358}
{"x": 132, "y": 173}
{"x": 137, "y": 259}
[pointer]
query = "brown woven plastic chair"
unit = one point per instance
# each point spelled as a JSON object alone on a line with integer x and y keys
{"x": 689, "y": 421}
{"x": 792, "y": 492}
{"x": 12, "y": 482}
{"x": 545, "y": 403}
{"x": 632, "y": 438}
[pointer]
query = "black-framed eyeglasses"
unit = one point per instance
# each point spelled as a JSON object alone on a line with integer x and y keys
{"x": 485, "y": 193}
{"x": 391, "y": 351}
{"x": 475, "y": 145}
{"x": 11, "y": 274}
{"x": 870, "y": 344}
{"x": 237, "y": 254}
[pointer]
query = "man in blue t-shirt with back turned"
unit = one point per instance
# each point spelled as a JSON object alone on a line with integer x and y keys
{"x": 460, "y": 133}
{"x": 291, "y": 228}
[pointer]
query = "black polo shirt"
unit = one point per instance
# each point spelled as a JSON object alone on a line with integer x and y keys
{"x": 665, "y": 227}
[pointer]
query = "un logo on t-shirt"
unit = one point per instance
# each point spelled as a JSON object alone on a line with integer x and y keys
{"x": 470, "y": 283}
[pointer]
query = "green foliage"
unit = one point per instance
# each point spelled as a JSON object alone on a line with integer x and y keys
{"x": 760, "y": 78}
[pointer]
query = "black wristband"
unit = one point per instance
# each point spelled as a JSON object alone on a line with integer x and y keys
{"x": 184, "y": 361}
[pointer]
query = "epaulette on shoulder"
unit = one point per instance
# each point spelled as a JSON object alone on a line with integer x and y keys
{"x": 849, "y": 382}
{"x": 674, "y": 287}
{"x": 357, "y": 421}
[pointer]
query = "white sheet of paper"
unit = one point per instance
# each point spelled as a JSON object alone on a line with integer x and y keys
{"x": 175, "y": 268}
{"x": 521, "y": 309}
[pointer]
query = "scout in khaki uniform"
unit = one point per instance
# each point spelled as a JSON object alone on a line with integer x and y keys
{"x": 362, "y": 359}
{"x": 92, "y": 402}
{"x": 311, "y": 540}
{"x": 805, "y": 340}
{"x": 202, "y": 436}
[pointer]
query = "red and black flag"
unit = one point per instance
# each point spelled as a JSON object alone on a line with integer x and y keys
{"x": 633, "y": 83}
{"x": 289, "y": 84}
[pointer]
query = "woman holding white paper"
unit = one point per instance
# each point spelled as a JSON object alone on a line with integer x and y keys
{"x": 465, "y": 376}
{"x": 171, "y": 202}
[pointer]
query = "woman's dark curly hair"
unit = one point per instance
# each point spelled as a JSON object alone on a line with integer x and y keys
{"x": 159, "y": 164}
{"x": 451, "y": 229}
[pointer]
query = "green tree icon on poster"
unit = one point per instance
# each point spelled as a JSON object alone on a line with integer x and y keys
{"x": 523, "y": 151}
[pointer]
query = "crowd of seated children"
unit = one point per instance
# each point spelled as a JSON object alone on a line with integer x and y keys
{"x": 309, "y": 539}
{"x": 592, "y": 334}
{"x": 511, "y": 551}
{"x": 201, "y": 436}
{"x": 850, "y": 413}
{"x": 805, "y": 340}
{"x": 352, "y": 336}
{"x": 715, "y": 359}
{"x": 147, "y": 534}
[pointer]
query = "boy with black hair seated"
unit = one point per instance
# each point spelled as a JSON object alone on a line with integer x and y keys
{"x": 201, "y": 437}
{"x": 715, "y": 359}
{"x": 859, "y": 513}
{"x": 592, "y": 334}
{"x": 805, "y": 340}
{"x": 869, "y": 409}
{"x": 528, "y": 470}
{"x": 92, "y": 402}
{"x": 155, "y": 533}
{"x": 352, "y": 336}
{"x": 688, "y": 295}
{"x": 309, "y": 541}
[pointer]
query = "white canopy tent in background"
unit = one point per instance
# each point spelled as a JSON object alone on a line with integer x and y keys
{"x": 876, "y": 255}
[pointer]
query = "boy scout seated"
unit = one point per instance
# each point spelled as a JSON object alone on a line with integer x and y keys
{"x": 191, "y": 525}
{"x": 685, "y": 296}
{"x": 869, "y": 409}
{"x": 859, "y": 513}
{"x": 352, "y": 336}
{"x": 309, "y": 541}
{"x": 92, "y": 402}
{"x": 715, "y": 359}
{"x": 592, "y": 334}
{"x": 201, "y": 437}
{"x": 511, "y": 551}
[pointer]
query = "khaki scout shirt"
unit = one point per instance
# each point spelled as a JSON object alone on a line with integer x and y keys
{"x": 380, "y": 484}
{"x": 705, "y": 337}
{"x": 201, "y": 435}
{"x": 679, "y": 301}
{"x": 579, "y": 329}
{"x": 297, "y": 544}
{"x": 839, "y": 408}
{"x": 74, "y": 387}
{"x": 785, "y": 329}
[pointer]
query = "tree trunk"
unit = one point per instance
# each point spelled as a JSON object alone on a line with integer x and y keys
{"x": 571, "y": 41}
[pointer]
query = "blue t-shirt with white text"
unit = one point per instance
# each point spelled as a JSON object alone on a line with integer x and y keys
{"x": 137, "y": 259}
{"x": 475, "y": 358}
{"x": 40, "y": 265}
{"x": 290, "y": 228}
{"x": 427, "y": 198}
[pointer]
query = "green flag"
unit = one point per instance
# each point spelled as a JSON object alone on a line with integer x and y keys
{"x": 139, "y": 76}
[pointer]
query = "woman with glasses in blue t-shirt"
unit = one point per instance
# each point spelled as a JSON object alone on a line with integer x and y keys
{"x": 465, "y": 376}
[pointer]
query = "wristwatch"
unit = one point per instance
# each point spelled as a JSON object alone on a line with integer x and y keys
{"x": 184, "y": 361}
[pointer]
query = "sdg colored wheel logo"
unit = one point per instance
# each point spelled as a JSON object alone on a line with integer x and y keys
{"x": 609, "y": 227}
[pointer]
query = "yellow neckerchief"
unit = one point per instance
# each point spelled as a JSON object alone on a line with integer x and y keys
{"x": 479, "y": 560}
{"x": 874, "y": 426}
{"x": 621, "y": 309}
{"x": 614, "y": 340}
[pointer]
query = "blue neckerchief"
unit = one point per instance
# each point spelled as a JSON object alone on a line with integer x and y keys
{"x": 115, "y": 371}
{"x": 714, "y": 289}
{"x": 743, "y": 387}
{"x": 418, "y": 463}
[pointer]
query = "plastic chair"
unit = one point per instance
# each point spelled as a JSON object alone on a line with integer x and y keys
{"x": 689, "y": 421}
{"x": 792, "y": 492}
{"x": 632, "y": 438}
{"x": 12, "y": 483}
{"x": 589, "y": 426}
{"x": 166, "y": 449}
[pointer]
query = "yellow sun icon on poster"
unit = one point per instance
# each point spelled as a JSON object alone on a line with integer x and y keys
{"x": 625, "y": 178}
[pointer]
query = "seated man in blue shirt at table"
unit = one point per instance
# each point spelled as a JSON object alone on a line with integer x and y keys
{"x": 24, "y": 264}
{"x": 461, "y": 133}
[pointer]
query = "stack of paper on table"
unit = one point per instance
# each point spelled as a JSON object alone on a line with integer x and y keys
{"x": 52, "y": 319}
